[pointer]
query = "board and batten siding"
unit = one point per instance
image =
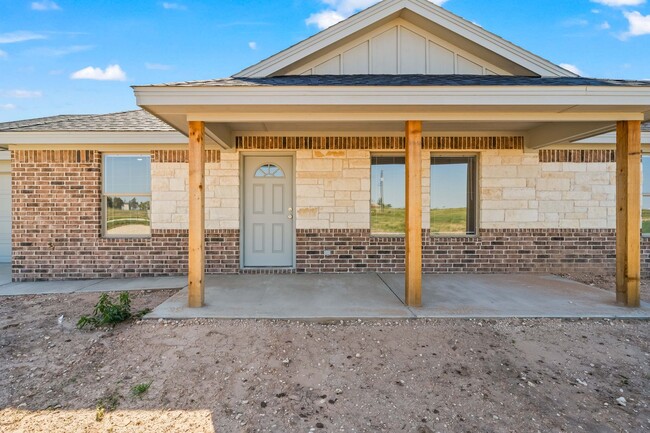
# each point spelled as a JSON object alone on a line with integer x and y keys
{"x": 398, "y": 47}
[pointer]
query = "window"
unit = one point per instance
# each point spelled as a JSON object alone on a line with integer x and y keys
{"x": 645, "y": 198}
{"x": 269, "y": 170}
{"x": 453, "y": 195}
{"x": 387, "y": 212}
{"x": 127, "y": 195}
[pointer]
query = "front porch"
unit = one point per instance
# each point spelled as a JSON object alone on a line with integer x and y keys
{"x": 381, "y": 296}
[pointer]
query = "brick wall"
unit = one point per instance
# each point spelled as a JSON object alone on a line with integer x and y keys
{"x": 57, "y": 227}
{"x": 499, "y": 251}
{"x": 57, "y": 230}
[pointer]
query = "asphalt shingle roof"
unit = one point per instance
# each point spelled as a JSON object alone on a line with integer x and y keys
{"x": 127, "y": 121}
{"x": 404, "y": 80}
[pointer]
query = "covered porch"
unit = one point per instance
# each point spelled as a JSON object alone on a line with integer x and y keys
{"x": 538, "y": 112}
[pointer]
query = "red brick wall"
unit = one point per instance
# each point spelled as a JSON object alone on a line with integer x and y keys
{"x": 57, "y": 226}
{"x": 515, "y": 250}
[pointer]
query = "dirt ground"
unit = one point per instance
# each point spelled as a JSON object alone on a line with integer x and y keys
{"x": 417, "y": 376}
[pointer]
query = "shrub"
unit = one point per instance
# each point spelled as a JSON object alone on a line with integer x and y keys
{"x": 109, "y": 312}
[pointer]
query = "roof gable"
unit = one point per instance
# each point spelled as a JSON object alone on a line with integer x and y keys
{"x": 413, "y": 36}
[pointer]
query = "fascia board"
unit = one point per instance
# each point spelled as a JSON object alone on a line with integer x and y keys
{"x": 72, "y": 137}
{"x": 369, "y": 95}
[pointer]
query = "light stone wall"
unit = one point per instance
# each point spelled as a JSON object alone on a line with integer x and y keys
{"x": 332, "y": 189}
{"x": 517, "y": 191}
{"x": 170, "y": 191}
{"x": 333, "y": 192}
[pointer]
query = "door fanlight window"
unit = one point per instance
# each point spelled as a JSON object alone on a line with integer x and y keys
{"x": 269, "y": 170}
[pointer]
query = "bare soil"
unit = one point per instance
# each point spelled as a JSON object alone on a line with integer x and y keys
{"x": 416, "y": 376}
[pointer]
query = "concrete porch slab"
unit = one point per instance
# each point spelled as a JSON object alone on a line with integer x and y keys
{"x": 372, "y": 296}
{"x": 288, "y": 296}
{"x": 512, "y": 295}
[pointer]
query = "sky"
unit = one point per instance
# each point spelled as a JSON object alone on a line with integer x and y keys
{"x": 82, "y": 56}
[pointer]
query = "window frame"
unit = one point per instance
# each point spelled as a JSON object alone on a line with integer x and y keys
{"x": 104, "y": 195}
{"x": 475, "y": 183}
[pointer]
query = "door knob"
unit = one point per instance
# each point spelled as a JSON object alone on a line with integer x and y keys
{"x": 290, "y": 217}
{"x": 290, "y": 209}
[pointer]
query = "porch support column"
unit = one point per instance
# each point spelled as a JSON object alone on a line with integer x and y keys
{"x": 196, "y": 265}
{"x": 628, "y": 212}
{"x": 413, "y": 259}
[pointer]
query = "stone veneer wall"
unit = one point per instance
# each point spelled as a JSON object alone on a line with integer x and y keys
{"x": 57, "y": 216}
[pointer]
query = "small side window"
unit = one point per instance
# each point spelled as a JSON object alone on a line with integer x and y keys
{"x": 453, "y": 195}
{"x": 387, "y": 207}
{"x": 126, "y": 198}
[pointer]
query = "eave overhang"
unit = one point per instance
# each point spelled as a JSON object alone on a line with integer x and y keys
{"x": 592, "y": 110}
{"x": 90, "y": 138}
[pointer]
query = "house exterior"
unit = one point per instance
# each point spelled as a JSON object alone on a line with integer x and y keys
{"x": 404, "y": 139}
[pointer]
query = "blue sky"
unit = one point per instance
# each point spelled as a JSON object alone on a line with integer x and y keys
{"x": 81, "y": 56}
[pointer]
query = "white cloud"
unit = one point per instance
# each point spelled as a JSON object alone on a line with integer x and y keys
{"x": 618, "y": 3}
{"x": 3, "y": 54}
{"x": 324, "y": 19}
{"x": 111, "y": 73}
{"x": 157, "y": 66}
{"x": 639, "y": 24}
{"x": 8, "y": 107}
{"x": 45, "y": 5}
{"x": 174, "y": 6}
{"x": 252, "y": 45}
{"x": 571, "y": 68}
{"x": 605, "y": 26}
{"x": 338, "y": 10}
{"x": 20, "y": 36}
{"x": 24, "y": 94}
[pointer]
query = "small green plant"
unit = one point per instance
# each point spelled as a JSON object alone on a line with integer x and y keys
{"x": 109, "y": 312}
{"x": 106, "y": 404}
{"x": 139, "y": 389}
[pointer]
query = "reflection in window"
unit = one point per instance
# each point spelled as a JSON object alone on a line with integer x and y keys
{"x": 453, "y": 195}
{"x": 269, "y": 170}
{"x": 127, "y": 195}
{"x": 645, "y": 199}
{"x": 387, "y": 207}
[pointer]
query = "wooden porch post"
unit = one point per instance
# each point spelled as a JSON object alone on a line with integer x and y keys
{"x": 413, "y": 259}
{"x": 196, "y": 265}
{"x": 628, "y": 212}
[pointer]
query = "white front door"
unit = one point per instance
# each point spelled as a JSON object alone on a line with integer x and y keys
{"x": 5, "y": 212}
{"x": 268, "y": 236}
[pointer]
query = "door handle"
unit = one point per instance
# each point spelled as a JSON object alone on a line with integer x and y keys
{"x": 290, "y": 216}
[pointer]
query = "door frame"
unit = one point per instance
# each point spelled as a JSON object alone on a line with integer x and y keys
{"x": 242, "y": 199}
